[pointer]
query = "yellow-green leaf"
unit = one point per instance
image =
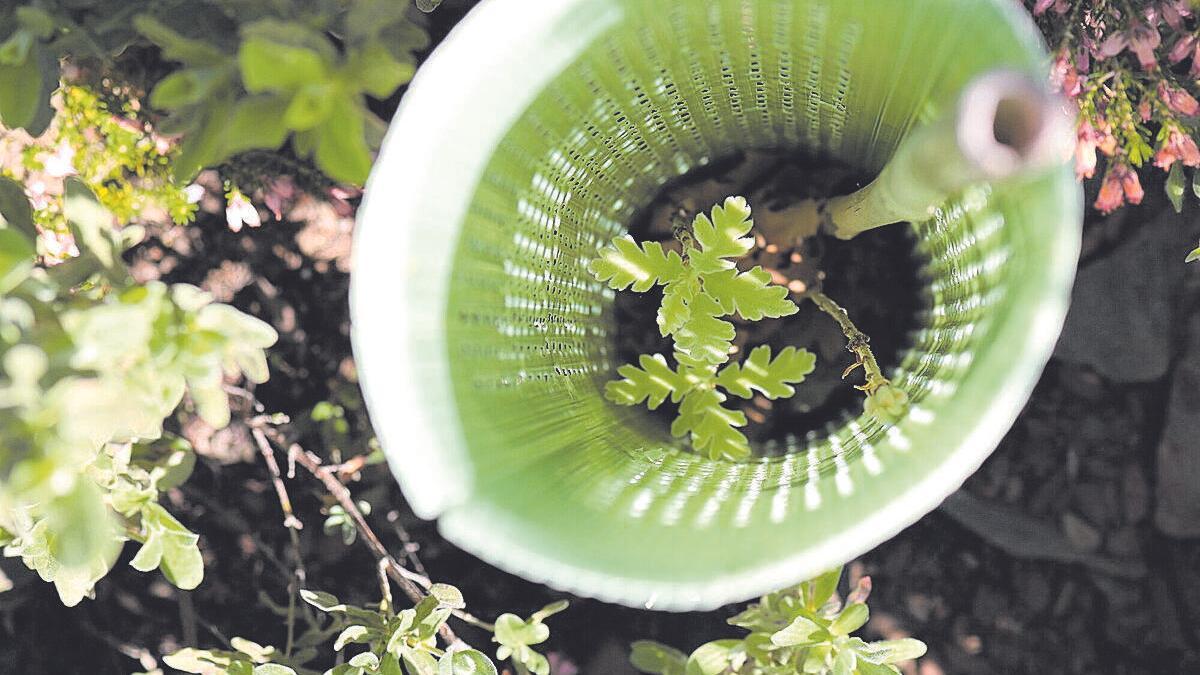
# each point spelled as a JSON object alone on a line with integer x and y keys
{"x": 750, "y": 294}
{"x": 624, "y": 264}
{"x": 772, "y": 377}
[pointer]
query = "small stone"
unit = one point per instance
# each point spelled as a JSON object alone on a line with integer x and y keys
{"x": 1124, "y": 542}
{"x": 1123, "y": 305}
{"x": 1135, "y": 494}
{"x": 1178, "y": 504}
{"x": 1097, "y": 503}
{"x": 1082, "y": 535}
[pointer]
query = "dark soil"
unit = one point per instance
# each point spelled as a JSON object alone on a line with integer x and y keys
{"x": 873, "y": 276}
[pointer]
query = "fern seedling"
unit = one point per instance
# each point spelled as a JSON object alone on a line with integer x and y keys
{"x": 702, "y": 285}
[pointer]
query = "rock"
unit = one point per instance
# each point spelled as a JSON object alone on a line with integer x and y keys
{"x": 1123, "y": 305}
{"x": 1082, "y": 535}
{"x": 1136, "y": 494}
{"x": 1178, "y": 486}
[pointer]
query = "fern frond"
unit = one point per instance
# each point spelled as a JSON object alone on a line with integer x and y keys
{"x": 771, "y": 377}
{"x": 676, "y": 309}
{"x": 713, "y": 427}
{"x": 723, "y": 236}
{"x": 704, "y": 339}
{"x": 749, "y": 294}
{"x": 624, "y": 263}
{"x": 653, "y": 383}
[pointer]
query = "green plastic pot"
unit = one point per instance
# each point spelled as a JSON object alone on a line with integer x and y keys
{"x": 530, "y": 138}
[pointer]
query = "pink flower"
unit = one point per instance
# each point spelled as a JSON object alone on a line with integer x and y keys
{"x": 1144, "y": 110}
{"x": 1042, "y": 6}
{"x": 1114, "y": 44}
{"x": 1085, "y": 151}
{"x": 1131, "y": 184}
{"x": 1183, "y": 48}
{"x": 61, "y": 163}
{"x": 1143, "y": 40}
{"x": 240, "y": 211}
{"x": 1120, "y": 184}
{"x": 1177, "y": 146}
{"x": 1104, "y": 137}
{"x": 1178, "y": 100}
{"x": 1064, "y": 77}
{"x": 1173, "y": 12}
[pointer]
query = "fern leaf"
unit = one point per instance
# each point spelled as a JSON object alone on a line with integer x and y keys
{"x": 750, "y": 294}
{"x": 723, "y": 236}
{"x": 653, "y": 383}
{"x": 624, "y": 263}
{"x": 675, "y": 310}
{"x": 704, "y": 339}
{"x": 713, "y": 427}
{"x": 771, "y": 377}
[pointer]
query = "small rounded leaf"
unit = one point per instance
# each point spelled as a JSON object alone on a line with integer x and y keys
{"x": 466, "y": 662}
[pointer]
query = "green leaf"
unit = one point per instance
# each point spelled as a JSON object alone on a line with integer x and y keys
{"x": 342, "y": 150}
{"x": 419, "y": 662}
{"x": 892, "y": 651}
{"x": 175, "y": 46}
{"x": 271, "y": 66}
{"x": 712, "y": 658}
{"x": 1196, "y": 183}
{"x": 352, "y": 634}
{"x": 185, "y": 87}
{"x": 704, "y": 340}
{"x": 818, "y": 591}
{"x": 376, "y": 71}
{"x": 801, "y": 631}
{"x": 447, "y": 596}
{"x": 653, "y": 382}
{"x": 273, "y": 669}
{"x": 750, "y": 294}
{"x": 712, "y": 426}
{"x": 850, "y": 619}
{"x": 256, "y": 122}
{"x": 365, "y": 660}
{"x": 181, "y": 563}
{"x": 326, "y": 602}
{"x": 15, "y": 49}
{"x": 466, "y": 662}
{"x": 514, "y": 632}
{"x": 724, "y": 235}
{"x": 310, "y": 105}
{"x": 624, "y": 264}
{"x": 845, "y": 663}
{"x": 549, "y": 610}
{"x": 653, "y": 657}
{"x": 1194, "y": 255}
{"x": 675, "y": 310}
{"x": 91, "y": 224}
{"x": 25, "y": 90}
{"x": 1175, "y": 186}
{"x": 773, "y": 378}
{"x": 15, "y": 209}
{"x": 37, "y": 21}
{"x": 16, "y": 259}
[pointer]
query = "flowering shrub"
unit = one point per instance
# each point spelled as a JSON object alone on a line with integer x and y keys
{"x": 1130, "y": 69}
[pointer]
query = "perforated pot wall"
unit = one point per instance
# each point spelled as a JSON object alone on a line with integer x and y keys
{"x": 530, "y": 138}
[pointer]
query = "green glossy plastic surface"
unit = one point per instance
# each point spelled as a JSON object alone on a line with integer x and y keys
{"x": 530, "y": 139}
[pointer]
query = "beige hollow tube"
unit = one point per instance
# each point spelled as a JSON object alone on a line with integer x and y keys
{"x": 1005, "y": 124}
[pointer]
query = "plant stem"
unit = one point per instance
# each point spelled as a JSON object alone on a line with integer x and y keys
{"x": 408, "y": 581}
{"x": 857, "y": 342}
{"x": 293, "y": 526}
